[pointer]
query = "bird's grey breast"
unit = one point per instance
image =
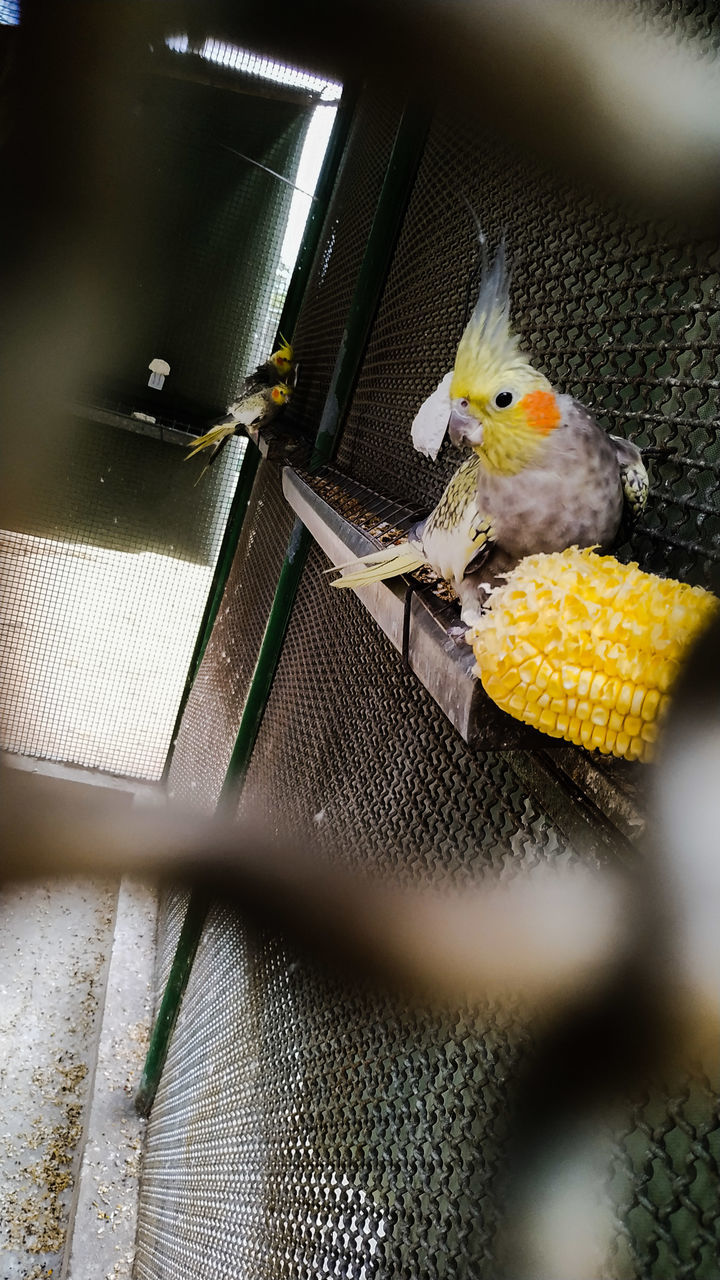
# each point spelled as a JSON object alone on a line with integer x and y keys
{"x": 571, "y": 496}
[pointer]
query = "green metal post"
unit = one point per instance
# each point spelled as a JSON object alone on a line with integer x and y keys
{"x": 250, "y": 462}
{"x": 170, "y": 1004}
{"x": 226, "y": 554}
{"x": 266, "y": 665}
{"x": 390, "y": 211}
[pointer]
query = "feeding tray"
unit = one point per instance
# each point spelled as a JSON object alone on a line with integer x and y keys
{"x": 347, "y": 519}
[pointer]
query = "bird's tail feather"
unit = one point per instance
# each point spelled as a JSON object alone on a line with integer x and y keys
{"x": 214, "y": 436}
{"x": 379, "y": 565}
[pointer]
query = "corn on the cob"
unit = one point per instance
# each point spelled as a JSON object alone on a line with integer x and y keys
{"x": 586, "y": 648}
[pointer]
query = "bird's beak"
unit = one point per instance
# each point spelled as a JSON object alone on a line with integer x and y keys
{"x": 464, "y": 429}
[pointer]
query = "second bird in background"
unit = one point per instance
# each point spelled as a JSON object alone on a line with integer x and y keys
{"x": 265, "y": 392}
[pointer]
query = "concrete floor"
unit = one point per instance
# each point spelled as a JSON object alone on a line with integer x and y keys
{"x": 70, "y": 1060}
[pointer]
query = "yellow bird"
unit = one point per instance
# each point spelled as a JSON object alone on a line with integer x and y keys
{"x": 251, "y": 412}
{"x": 545, "y": 476}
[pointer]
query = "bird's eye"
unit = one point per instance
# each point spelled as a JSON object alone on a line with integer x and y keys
{"x": 463, "y": 403}
{"x": 503, "y": 399}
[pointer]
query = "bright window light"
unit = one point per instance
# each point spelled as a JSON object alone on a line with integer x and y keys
{"x": 313, "y": 153}
{"x": 254, "y": 64}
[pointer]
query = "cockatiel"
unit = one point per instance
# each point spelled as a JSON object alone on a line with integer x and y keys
{"x": 251, "y": 412}
{"x": 275, "y": 369}
{"x": 543, "y": 475}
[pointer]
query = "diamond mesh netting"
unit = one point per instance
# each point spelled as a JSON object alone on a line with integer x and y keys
{"x": 324, "y": 312}
{"x": 354, "y": 752}
{"x": 103, "y": 587}
{"x": 213, "y": 713}
{"x": 615, "y": 313}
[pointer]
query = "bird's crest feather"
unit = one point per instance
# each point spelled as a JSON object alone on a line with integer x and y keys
{"x": 488, "y": 343}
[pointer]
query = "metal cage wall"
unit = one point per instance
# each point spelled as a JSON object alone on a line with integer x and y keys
{"x": 304, "y": 1127}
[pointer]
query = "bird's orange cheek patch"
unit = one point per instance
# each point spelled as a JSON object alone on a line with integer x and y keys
{"x": 541, "y": 410}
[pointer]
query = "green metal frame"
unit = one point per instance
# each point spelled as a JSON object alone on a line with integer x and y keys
{"x": 390, "y": 211}
{"x": 226, "y": 555}
{"x": 187, "y": 946}
{"x": 251, "y": 458}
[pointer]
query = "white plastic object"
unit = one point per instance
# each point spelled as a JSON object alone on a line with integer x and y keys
{"x": 159, "y": 370}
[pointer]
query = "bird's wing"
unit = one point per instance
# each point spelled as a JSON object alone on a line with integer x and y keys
{"x": 633, "y": 476}
{"x": 431, "y": 420}
{"x": 456, "y": 532}
{"x": 250, "y": 409}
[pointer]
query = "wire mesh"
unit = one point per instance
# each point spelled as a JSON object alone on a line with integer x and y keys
{"x": 304, "y": 1127}
{"x": 212, "y": 717}
{"x": 342, "y": 242}
{"x": 262, "y": 69}
{"x": 171, "y": 913}
{"x": 622, "y": 316}
{"x": 205, "y": 289}
{"x": 354, "y": 753}
{"x": 664, "y": 1182}
{"x": 102, "y": 592}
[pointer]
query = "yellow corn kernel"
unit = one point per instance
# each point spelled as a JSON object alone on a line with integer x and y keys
{"x": 583, "y": 685}
{"x": 597, "y": 686}
{"x": 570, "y": 677}
{"x": 637, "y": 700}
{"x": 632, "y": 726}
{"x": 609, "y": 692}
{"x": 651, "y": 702}
{"x": 544, "y": 675}
{"x": 555, "y": 685}
{"x": 602, "y": 643}
{"x": 624, "y": 699}
{"x": 528, "y": 671}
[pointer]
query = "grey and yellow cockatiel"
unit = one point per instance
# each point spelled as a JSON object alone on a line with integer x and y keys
{"x": 263, "y": 395}
{"x": 251, "y": 412}
{"x": 278, "y": 368}
{"x": 542, "y": 476}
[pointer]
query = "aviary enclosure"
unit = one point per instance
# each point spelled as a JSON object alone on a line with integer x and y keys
{"x": 305, "y": 1123}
